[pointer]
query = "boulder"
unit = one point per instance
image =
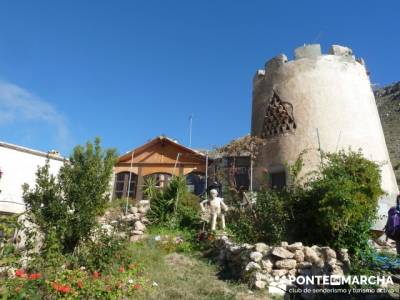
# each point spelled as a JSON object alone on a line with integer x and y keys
{"x": 256, "y": 256}
{"x": 286, "y": 264}
{"x": 328, "y": 253}
{"x": 259, "y": 285}
{"x": 281, "y": 252}
{"x": 139, "y": 226}
{"x": 134, "y": 210}
{"x": 143, "y": 206}
{"x": 295, "y": 246}
{"x": 299, "y": 256}
{"x": 130, "y": 217}
{"x": 258, "y": 276}
{"x": 284, "y": 244}
{"x": 279, "y": 272}
{"x": 261, "y": 247}
{"x": 267, "y": 265}
{"x": 310, "y": 255}
{"x": 252, "y": 266}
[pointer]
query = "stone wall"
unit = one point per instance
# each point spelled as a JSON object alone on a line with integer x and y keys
{"x": 263, "y": 266}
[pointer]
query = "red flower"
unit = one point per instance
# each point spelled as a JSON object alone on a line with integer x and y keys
{"x": 62, "y": 288}
{"x": 96, "y": 274}
{"x": 20, "y": 273}
{"x": 79, "y": 284}
{"x": 34, "y": 276}
{"x": 121, "y": 270}
{"x": 136, "y": 286}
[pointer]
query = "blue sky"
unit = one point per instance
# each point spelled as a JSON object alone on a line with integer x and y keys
{"x": 128, "y": 71}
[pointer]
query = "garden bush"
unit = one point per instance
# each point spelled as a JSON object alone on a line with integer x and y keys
{"x": 335, "y": 207}
{"x": 173, "y": 206}
{"x": 339, "y": 205}
{"x": 69, "y": 203}
{"x": 266, "y": 220}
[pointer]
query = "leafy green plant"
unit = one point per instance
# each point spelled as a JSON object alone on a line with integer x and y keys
{"x": 150, "y": 188}
{"x": 331, "y": 207}
{"x": 70, "y": 202}
{"x": 266, "y": 220}
{"x": 99, "y": 253}
{"x": 173, "y": 206}
{"x": 340, "y": 203}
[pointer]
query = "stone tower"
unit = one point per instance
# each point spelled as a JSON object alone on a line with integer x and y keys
{"x": 316, "y": 101}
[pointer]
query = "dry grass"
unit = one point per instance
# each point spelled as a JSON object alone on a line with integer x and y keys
{"x": 184, "y": 276}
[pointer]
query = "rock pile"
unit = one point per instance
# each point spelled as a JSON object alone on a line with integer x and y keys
{"x": 265, "y": 266}
{"x": 133, "y": 223}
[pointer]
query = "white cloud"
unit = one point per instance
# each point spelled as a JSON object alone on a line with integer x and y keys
{"x": 19, "y": 105}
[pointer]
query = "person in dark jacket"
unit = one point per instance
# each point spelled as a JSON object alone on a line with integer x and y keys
{"x": 398, "y": 241}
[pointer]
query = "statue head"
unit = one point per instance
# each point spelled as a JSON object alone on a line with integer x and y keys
{"x": 214, "y": 193}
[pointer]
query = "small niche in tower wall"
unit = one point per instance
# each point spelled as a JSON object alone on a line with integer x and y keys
{"x": 278, "y": 118}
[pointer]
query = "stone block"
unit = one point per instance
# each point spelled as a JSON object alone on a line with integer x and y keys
{"x": 251, "y": 266}
{"x": 281, "y": 252}
{"x": 295, "y": 246}
{"x": 259, "y": 285}
{"x": 310, "y": 255}
{"x": 256, "y": 256}
{"x": 286, "y": 264}
{"x": 299, "y": 256}
{"x": 267, "y": 265}
{"x": 261, "y": 247}
{"x": 279, "y": 272}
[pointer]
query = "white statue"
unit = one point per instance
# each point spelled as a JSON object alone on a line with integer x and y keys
{"x": 217, "y": 208}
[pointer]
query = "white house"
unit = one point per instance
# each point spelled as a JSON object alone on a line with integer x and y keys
{"x": 18, "y": 165}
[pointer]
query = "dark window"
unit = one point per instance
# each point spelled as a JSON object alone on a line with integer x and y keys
{"x": 122, "y": 185}
{"x": 278, "y": 180}
{"x": 195, "y": 182}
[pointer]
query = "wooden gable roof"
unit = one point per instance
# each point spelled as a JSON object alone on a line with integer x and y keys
{"x": 162, "y": 150}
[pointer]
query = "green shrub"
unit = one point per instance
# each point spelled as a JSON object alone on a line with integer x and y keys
{"x": 266, "y": 220}
{"x": 336, "y": 207}
{"x": 100, "y": 253}
{"x": 70, "y": 202}
{"x": 173, "y": 206}
{"x": 340, "y": 203}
